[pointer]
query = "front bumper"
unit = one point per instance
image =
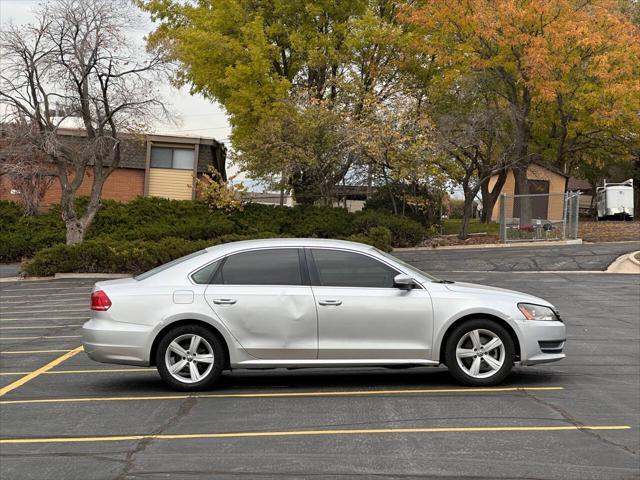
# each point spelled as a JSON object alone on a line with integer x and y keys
{"x": 541, "y": 341}
{"x": 116, "y": 342}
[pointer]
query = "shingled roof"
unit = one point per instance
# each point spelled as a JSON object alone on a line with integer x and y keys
{"x": 134, "y": 148}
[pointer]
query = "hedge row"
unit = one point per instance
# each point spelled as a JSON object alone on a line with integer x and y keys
{"x": 155, "y": 219}
{"x": 137, "y": 256}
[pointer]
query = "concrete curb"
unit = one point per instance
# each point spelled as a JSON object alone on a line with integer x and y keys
{"x": 626, "y": 264}
{"x": 92, "y": 275}
{"x": 23, "y": 279}
{"x": 493, "y": 245}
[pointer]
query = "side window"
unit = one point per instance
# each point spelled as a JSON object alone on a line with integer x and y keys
{"x": 167, "y": 157}
{"x": 205, "y": 274}
{"x": 348, "y": 269}
{"x": 262, "y": 267}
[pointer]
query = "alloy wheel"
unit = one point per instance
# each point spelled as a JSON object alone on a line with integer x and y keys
{"x": 480, "y": 353}
{"x": 189, "y": 358}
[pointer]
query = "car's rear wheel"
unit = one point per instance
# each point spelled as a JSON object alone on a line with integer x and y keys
{"x": 479, "y": 352}
{"x": 190, "y": 357}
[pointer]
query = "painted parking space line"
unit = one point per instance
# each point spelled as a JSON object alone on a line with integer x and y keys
{"x": 46, "y": 289}
{"x": 79, "y": 302}
{"x": 343, "y": 393}
{"x": 77, "y": 294}
{"x": 44, "y": 303}
{"x": 96, "y": 370}
{"x": 29, "y": 352}
{"x": 30, "y": 376}
{"x": 40, "y": 319}
{"x": 27, "y": 312}
{"x": 33, "y": 321}
{"x": 41, "y": 327}
{"x": 302, "y": 433}
{"x": 41, "y": 337}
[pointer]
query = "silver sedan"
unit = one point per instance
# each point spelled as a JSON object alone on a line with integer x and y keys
{"x": 313, "y": 303}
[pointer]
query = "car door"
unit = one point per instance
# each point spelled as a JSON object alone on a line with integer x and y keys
{"x": 264, "y": 299}
{"x": 361, "y": 315}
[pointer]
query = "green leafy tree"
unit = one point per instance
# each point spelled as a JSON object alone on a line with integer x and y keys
{"x": 473, "y": 144}
{"x": 269, "y": 61}
{"x": 309, "y": 150}
{"x": 566, "y": 69}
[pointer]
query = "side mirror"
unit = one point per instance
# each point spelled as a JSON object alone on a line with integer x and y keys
{"x": 404, "y": 282}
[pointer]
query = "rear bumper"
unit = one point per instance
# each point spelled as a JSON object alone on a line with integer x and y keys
{"x": 541, "y": 342}
{"x": 115, "y": 342}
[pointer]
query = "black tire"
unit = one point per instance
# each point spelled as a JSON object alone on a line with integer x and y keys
{"x": 479, "y": 324}
{"x": 218, "y": 357}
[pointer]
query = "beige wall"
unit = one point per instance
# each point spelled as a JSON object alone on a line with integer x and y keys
{"x": 557, "y": 184}
{"x": 171, "y": 183}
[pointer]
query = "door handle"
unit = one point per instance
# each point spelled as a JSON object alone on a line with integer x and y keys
{"x": 334, "y": 303}
{"x": 224, "y": 301}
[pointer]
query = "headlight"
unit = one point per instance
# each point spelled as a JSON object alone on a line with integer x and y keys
{"x": 537, "y": 312}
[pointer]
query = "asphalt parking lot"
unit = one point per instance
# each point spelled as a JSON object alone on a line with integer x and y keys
{"x": 87, "y": 420}
{"x": 547, "y": 258}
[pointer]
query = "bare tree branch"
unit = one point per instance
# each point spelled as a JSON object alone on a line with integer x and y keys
{"x": 75, "y": 62}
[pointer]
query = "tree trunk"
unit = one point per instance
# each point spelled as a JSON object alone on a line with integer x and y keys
{"x": 522, "y": 188}
{"x": 75, "y": 232}
{"x": 467, "y": 211}
{"x": 490, "y": 197}
{"x": 522, "y": 130}
{"x": 77, "y": 226}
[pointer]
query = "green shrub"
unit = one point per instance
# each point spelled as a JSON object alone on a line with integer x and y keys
{"x": 22, "y": 236}
{"x": 156, "y": 219}
{"x": 10, "y": 213}
{"x": 113, "y": 256}
{"x": 110, "y": 257}
{"x": 379, "y": 237}
{"x": 404, "y": 231}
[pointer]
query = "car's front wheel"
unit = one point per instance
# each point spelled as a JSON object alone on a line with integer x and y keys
{"x": 479, "y": 352}
{"x": 190, "y": 357}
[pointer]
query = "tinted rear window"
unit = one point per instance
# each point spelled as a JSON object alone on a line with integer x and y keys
{"x": 205, "y": 274}
{"x": 262, "y": 267}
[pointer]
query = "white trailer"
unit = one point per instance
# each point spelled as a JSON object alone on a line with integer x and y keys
{"x": 615, "y": 200}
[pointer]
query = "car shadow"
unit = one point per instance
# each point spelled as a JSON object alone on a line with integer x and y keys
{"x": 325, "y": 379}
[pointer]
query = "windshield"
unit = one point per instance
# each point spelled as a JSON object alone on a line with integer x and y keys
{"x": 161, "y": 268}
{"x": 407, "y": 266}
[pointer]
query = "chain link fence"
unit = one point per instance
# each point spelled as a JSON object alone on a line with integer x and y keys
{"x": 539, "y": 217}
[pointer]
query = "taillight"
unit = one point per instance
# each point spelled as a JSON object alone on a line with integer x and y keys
{"x": 100, "y": 301}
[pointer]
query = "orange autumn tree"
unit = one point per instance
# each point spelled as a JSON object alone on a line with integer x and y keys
{"x": 567, "y": 71}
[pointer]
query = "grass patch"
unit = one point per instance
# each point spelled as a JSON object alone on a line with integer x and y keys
{"x": 452, "y": 226}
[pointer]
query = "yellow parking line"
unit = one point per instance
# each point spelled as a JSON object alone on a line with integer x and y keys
{"x": 41, "y": 337}
{"x": 301, "y": 433}
{"x": 101, "y": 370}
{"x": 25, "y": 352}
{"x": 39, "y": 371}
{"x": 282, "y": 394}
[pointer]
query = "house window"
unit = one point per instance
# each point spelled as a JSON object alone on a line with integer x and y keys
{"x": 167, "y": 157}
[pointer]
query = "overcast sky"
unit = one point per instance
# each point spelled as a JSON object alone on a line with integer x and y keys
{"x": 196, "y": 116}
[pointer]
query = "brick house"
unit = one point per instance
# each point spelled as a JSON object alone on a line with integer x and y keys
{"x": 151, "y": 165}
